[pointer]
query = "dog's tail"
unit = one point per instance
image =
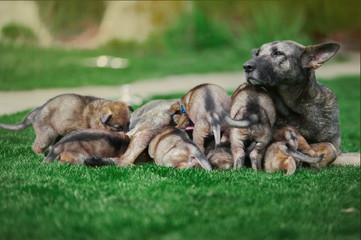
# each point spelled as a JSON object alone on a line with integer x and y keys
{"x": 99, "y": 162}
{"x": 302, "y": 157}
{"x": 239, "y": 123}
{"x": 19, "y": 126}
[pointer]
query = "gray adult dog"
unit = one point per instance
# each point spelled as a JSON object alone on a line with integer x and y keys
{"x": 287, "y": 70}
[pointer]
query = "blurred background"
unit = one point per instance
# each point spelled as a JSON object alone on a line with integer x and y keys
{"x": 46, "y": 44}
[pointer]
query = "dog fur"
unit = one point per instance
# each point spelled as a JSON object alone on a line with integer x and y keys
{"x": 77, "y": 146}
{"x": 287, "y": 70}
{"x": 173, "y": 148}
{"x": 71, "y": 112}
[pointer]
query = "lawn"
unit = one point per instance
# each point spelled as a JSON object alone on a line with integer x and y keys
{"x": 55, "y": 201}
{"x": 27, "y": 67}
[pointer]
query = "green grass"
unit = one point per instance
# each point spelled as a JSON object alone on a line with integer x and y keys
{"x": 55, "y": 201}
{"x": 25, "y": 68}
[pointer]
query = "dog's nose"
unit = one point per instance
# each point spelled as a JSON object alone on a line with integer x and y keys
{"x": 249, "y": 67}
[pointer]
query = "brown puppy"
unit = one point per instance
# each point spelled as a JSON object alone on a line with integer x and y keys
{"x": 281, "y": 156}
{"x": 173, "y": 148}
{"x": 77, "y": 146}
{"x": 204, "y": 106}
{"x": 70, "y": 112}
{"x": 145, "y": 123}
{"x": 290, "y": 135}
{"x": 248, "y": 101}
{"x": 289, "y": 150}
{"x": 221, "y": 157}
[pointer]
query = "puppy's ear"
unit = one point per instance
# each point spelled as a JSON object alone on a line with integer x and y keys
{"x": 105, "y": 116}
{"x": 316, "y": 55}
{"x": 175, "y": 107}
{"x": 255, "y": 52}
{"x": 131, "y": 108}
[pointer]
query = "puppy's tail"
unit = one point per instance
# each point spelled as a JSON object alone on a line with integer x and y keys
{"x": 18, "y": 126}
{"x": 99, "y": 162}
{"x": 202, "y": 160}
{"x": 239, "y": 123}
{"x": 51, "y": 155}
{"x": 302, "y": 157}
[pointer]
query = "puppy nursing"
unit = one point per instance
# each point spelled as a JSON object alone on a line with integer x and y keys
{"x": 70, "y": 112}
{"x": 289, "y": 150}
{"x": 250, "y": 100}
{"x": 173, "y": 148}
{"x": 77, "y": 146}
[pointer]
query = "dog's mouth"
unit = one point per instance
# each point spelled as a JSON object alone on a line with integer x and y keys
{"x": 254, "y": 81}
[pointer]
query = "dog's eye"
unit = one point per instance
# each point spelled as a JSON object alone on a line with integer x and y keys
{"x": 277, "y": 53}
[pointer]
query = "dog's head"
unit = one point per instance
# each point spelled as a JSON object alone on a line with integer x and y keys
{"x": 286, "y": 62}
{"x": 115, "y": 116}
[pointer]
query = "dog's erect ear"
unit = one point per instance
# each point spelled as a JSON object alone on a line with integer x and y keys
{"x": 131, "y": 108}
{"x": 316, "y": 55}
{"x": 255, "y": 52}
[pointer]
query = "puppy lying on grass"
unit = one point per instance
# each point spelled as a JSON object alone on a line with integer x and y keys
{"x": 173, "y": 148}
{"x": 248, "y": 102}
{"x": 77, "y": 146}
{"x": 70, "y": 112}
{"x": 290, "y": 149}
{"x": 203, "y": 106}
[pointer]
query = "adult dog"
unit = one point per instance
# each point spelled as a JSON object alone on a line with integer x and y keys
{"x": 287, "y": 70}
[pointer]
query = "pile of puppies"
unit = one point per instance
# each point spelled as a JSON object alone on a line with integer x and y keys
{"x": 264, "y": 124}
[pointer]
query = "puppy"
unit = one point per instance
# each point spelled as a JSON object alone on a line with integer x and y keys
{"x": 77, "y": 146}
{"x": 280, "y": 156}
{"x": 172, "y": 147}
{"x": 289, "y": 149}
{"x": 248, "y": 101}
{"x": 70, "y": 112}
{"x": 145, "y": 123}
{"x": 287, "y": 70}
{"x": 289, "y": 134}
{"x": 221, "y": 157}
{"x": 204, "y": 106}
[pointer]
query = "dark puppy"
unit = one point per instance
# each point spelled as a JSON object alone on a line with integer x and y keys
{"x": 70, "y": 112}
{"x": 287, "y": 70}
{"x": 77, "y": 146}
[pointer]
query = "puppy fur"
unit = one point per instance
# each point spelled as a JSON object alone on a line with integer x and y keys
{"x": 70, "y": 112}
{"x": 173, "y": 148}
{"x": 250, "y": 100}
{"x": 77, "y": 146}
{"x": 145, "y": 123}
{"x": 288, "y": 151}
{"x": 204, "y": 106}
